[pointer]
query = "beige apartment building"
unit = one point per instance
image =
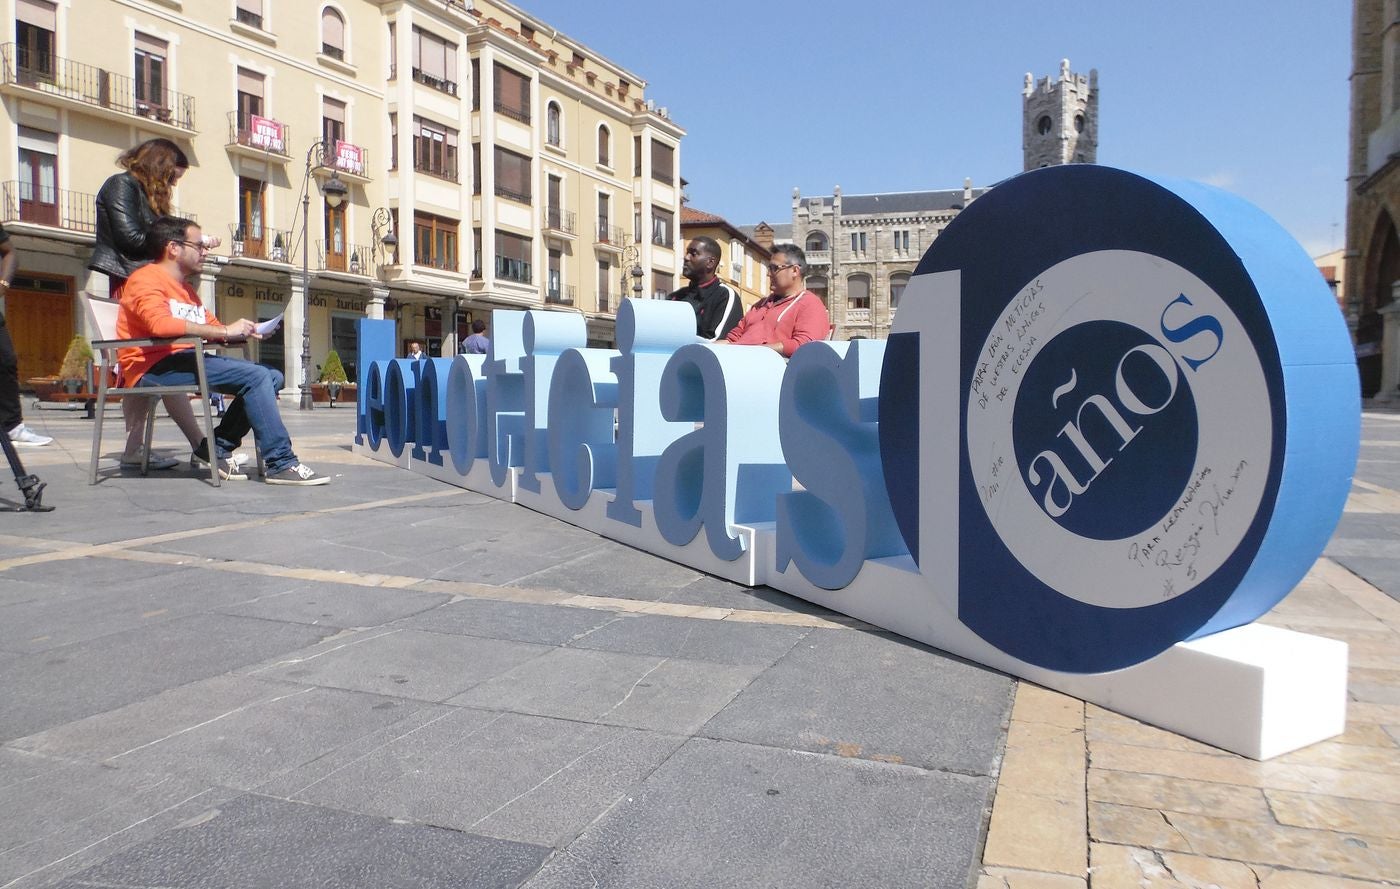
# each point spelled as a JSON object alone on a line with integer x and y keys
{"x": 487, "y": 162}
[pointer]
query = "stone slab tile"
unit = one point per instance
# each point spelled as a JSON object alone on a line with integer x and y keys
{"x": 719, "y": 814}
{"x": 89, "y": 611}
{"x": 76, "y": 813}
{"x": 169, "y": 713}
{"x": 717, "y": 641}
{"x": 641, "y": 691}
{"x": 515, "y": 621}
{"x": 255, "y": 841}
{"x": 407, "y": 663}
{"x": 96, "y": 572}
{"x": 338, "y": 605}
{"x": 873, "y": 696}
{"x": 716, "y": 592}
{"x": 611, "y": 569}
{"x": 58, "y": 686}
{"x": 511, "y": 776}
{"x": 252, "y": 744}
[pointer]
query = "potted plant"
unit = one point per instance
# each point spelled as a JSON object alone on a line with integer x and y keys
{"x": 333, "y": 376}
{"x": 74, "y": 370}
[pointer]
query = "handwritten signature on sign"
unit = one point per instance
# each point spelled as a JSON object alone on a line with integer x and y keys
{"x": 1178, "y": 542}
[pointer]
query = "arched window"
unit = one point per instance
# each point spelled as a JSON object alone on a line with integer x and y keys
{"x": 898, "y": 281}
{"x": 604, "y": 147}
{"x": 817, "y": 241}
{"x": 553, "y": 125}
{"x": 858, "y": 292}
{"x": 332, "y": 34}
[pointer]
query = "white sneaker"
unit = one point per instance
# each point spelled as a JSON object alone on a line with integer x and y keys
{"x": 24, "y": 437}
{"x": 239, "y": 458}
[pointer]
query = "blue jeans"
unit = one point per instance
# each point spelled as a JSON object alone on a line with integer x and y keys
{"x": 255, "y": 408}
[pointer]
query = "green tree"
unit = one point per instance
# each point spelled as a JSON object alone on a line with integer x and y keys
{"x": 332, "y": 371}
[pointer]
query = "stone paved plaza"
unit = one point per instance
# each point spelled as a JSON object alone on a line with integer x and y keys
{"x": 391, "y": 682}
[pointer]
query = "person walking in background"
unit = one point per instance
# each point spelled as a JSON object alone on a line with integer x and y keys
{"x": 477, "y": 343}
{"x": 11, "y": 415}
{"x": 415, "y": 350}
{"x": 127, "y": 205}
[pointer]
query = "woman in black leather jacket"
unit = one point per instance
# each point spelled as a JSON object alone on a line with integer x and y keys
{"x": 127, "y": 204}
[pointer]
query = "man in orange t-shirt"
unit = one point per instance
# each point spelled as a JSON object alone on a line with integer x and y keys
{"x": 158, "y": 302}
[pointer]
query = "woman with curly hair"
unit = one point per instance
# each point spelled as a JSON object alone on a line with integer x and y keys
{"x": 127, "y": 204}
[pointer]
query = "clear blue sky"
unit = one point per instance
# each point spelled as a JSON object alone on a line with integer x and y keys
{"x": 883, "y": 95}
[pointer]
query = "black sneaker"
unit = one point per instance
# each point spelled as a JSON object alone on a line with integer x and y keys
{"x": 297, "y": 474}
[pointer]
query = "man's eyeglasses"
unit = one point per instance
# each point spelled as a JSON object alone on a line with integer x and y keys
{"x": 774, "y": 269}
{"x": 198, "y": 245}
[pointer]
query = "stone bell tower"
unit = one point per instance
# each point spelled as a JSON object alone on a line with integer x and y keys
{"x": 1060, "y": 119}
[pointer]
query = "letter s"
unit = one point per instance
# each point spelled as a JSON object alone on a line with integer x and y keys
{"x": 1201, "y": 324}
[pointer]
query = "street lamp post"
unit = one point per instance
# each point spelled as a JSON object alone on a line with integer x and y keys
{"x": 334, "y": 192}
{"x": 632, "y": 267}
{"x": 381, "y": 226}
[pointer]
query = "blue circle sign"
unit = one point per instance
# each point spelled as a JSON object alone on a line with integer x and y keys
{"x": 1135, "y": 360}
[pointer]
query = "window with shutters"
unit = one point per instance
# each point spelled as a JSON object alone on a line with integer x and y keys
{"x": 662, "y": 227}
{"x": 604, "y": 146}
{"x": 511, "y": 93}
{"x": 858, "y": 292}
{"x": 663, "y": 162}
{"x": 150, "y": 73}
{"x": 332, "y": 34}
{"x": 553, "y": 125}
{"x": 434, "y": 149}
{"x": 434, "y": 61}
{"x": 435, "y": 241}
{"x": 249, "y": 12}
{"x": 512, "y": 175}
{"x": 513, "y": 257}
{"x": 36, "y": 28}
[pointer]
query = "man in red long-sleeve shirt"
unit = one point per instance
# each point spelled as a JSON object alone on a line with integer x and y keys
{"x": 157, "y": 302}
{"x": 789, "y": 316}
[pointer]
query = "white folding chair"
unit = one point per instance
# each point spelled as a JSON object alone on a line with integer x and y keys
{"x": 102, "y": 319}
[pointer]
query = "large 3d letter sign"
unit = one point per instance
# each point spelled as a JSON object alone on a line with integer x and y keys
{"x": 1115, "y": 422}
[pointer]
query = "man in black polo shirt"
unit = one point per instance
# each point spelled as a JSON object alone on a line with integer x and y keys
{"x": 717, "y": 305}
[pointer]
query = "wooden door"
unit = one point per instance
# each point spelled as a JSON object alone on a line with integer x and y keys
{"x": 39, "y": 313}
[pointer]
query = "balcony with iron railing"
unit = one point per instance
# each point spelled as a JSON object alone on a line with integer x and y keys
{"x": 510, "y": 194}
{"x": 354, "y": 259}
{"x": 87, "y": 87}
{"x": 260, "y": 242}
{"x": 440, "y": 84}
{"x": 559, "y": 221}
{"x": 520, "y": 114}
{"x": 259, "y": 136}
{"x": 441, "y": 263}
{"x": 349, "y": 160}
{"x": 608, "y": 236}
{"x": 508, "y": 269}
{"x": 53, "y": 207}
{"x": 561, "y": 296}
